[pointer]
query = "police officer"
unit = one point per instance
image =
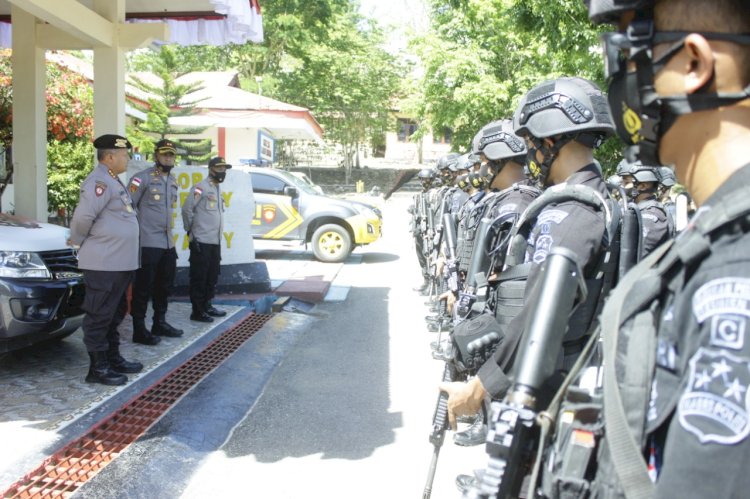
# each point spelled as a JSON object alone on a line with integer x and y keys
{"x": 511, "y": 193}
{"x": 105, "y": 226}
{"x": 641, "y": 183}
{"x": 154, "y": 192}
{"x": 420, "y": 224}
{"x": 203, "y": 219}
{"x": 688, "y": 412}
{"x": 560, "y": 146}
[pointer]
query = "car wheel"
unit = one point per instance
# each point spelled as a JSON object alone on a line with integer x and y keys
{"x": 331, "y": 243}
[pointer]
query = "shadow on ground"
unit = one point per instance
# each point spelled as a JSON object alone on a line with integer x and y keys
{"x": 330, "y": 396}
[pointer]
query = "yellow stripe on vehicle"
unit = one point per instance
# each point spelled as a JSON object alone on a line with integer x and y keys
{"x": 294, "y": 220}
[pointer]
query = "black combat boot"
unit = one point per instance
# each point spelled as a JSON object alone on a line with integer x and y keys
{"x": 215, "y": 312}
{"x": 141, "y": 334}
{"x": 118, "y": 363}
{"x": 101, "y": 372}
{"x": 424, "y": 286}
{"x": 476, "y": 434}
{"x": 161, "y": 327}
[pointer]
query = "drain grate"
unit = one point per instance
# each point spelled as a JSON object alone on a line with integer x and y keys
{"x": 65, "y": 471}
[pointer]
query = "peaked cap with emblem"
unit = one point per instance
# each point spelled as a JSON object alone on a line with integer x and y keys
{"x": 111, "y": 141}
{"x": 218, "y": 161}
{"x": 165, "y": 146}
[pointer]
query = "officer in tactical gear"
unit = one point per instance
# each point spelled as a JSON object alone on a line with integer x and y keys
{"x": 203, "y": 219}
{"x": 510, "y": 194}
{"x": 640, "y": 184}
{"x": 154, "y": 193}
{"x": 420, "y": 210}
{"x": 562, "y": 122}
{"x": 105, "y": 227}
{"x": 667, "y": 180}
{"x": 675, "y": 330}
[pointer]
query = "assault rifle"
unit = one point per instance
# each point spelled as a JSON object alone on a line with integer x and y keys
{"x": 512, "y": 435}
{"x": 427, "y": 226}
{"x": 451, "y": 263}
{"x": 437, "y": 436}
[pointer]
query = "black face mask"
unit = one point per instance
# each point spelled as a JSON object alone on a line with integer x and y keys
{"x": 641, "y": 116}
{"x": 539, "y": 171}
{"x": 218, "y": 176}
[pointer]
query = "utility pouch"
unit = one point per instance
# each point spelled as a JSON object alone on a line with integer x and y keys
{"x": 571, "y": 458}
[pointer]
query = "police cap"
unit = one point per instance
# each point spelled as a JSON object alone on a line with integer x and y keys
{"x": 165, "y": 146}
{"x": 218, "y": 161}
{"x": 111, "y": 141}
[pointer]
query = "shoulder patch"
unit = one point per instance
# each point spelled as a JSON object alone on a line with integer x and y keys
{"x": 135, "y": 183}
{"x": 197, "y": 192}
{"x": 555, "y": 216}
{"x": 507, "y": 208}
{"x": 727, "y": 295}
{"x": 715, "y": 404}
{"x": 100, "y": 188}
{"x": 728, "y": 331}
{"x": 542, "y": 247}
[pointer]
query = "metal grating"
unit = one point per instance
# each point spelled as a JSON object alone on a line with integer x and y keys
{"x": 65, "y": 471}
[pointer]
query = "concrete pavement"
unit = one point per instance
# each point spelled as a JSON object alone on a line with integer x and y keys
{"x": 334, "y": 402}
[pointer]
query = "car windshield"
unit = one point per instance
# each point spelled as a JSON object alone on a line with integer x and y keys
{"x": 297, "y": 182}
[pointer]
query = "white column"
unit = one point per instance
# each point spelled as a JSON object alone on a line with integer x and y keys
{"x": 29, "y": 119}
{"x": 109, "y": 75}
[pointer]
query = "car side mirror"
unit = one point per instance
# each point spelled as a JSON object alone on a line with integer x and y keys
{"x": 290, "y": 191}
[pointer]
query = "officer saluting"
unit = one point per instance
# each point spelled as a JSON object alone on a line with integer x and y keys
{"x": 203, "y": 218}
{"x": 105, "y": 227}
{"x": 154, "y": 192}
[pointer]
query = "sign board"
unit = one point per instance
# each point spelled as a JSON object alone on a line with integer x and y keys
{"x": 239, "y": 202}
{"x": 266, "y": 147}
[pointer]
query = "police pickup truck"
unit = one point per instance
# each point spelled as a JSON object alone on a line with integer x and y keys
{"x": 41, "y": 288}
{"x": 288, "y": 208}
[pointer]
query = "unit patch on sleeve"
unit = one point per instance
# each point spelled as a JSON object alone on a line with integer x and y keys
{"x": 542, "y": 248}
{"x": 727, "y": 295}
{"x": 715, "y": 404}
{"x": 198, "y": 191}
{"x": 555, "y": 216}
{"x": 507, "y": 208}
{"x": 99, "y": 188}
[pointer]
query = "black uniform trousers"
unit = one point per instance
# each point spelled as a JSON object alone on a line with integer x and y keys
{"x": 153, "y": 280}
{"x": 204, "y": 274}
{"x": 421, "y": 258}
{"x": 105, "y": 305}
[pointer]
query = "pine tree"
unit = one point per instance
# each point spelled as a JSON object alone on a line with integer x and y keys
{"x": 169, "y": 101}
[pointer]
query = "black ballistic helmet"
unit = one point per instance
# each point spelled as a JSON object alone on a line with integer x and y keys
{"x": 666, "y": 176}
{"x": 426, "y": 173}
{"x": 638, "y": 171}
{"x": 565, "y": 106}
{"x": 608, "y": 11}
{"x": 448, "y": 162}
{"x": 499, "y": 142}
{"x": 475, "y": 146}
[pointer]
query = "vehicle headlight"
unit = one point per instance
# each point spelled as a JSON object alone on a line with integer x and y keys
{"x": 22, "y": 264}
{"x": 366, "y": 211}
